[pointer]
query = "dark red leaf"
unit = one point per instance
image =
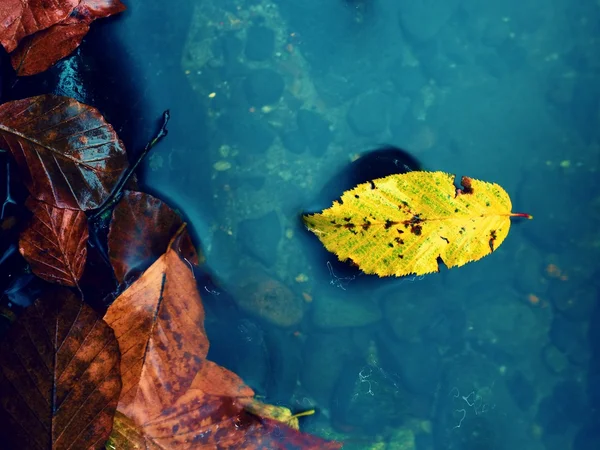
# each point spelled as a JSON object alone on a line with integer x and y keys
{"x": 55, "y": 243}
{"x": 140, "y": 231}
{"x": 59, "y": 377}
{"x": 20, "y": 18}
{"x": 38, "y": 52}
{"x": 67, "y": 154}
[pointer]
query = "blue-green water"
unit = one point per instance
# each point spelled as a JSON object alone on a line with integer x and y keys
{"x": 270, "y": 100}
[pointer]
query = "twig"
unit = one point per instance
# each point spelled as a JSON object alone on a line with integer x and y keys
{"x": 9, "y": 199}
{"x": 116, "y": 193}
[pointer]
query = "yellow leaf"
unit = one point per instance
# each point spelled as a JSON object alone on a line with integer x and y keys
{"x": 279, "y": 413}
{"x": 401, "y": 224}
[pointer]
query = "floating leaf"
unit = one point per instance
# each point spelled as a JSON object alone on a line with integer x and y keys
{"x": 140, "y": 231}
{"x": 67, "y": 154}
{"x": 59, "y": 377}
{"x": 38, "y": 52}
{"x": 20, "y": 18}
{"x": 402, "y": 224}
{"x": 55, "y": 243}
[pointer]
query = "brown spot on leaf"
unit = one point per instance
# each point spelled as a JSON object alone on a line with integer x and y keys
{"x": 389, "y": 223}
{"x": 492, "y": 240}
{"x": 466, "y": 183}
{"x": 372, "y": 184}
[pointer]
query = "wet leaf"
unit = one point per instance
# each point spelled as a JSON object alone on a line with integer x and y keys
{"x": 401, "y": 224}
{"x": 20, "y": 18}
{"x": 159, "y": 323}
{"x": 38, "y": 52}
{"x": 67, "y": 154}
{"x": 59, "y": 377}
{"x": 278, "y": 413}
{"x": 127, "y": 436}
{"x": 140, "y": 231}
{"x": 173, "y": 396}
{"x": 239, "y": 429}
{"x": 55, "y": 243}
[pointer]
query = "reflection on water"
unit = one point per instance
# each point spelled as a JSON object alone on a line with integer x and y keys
{"x": 286, "y": 95}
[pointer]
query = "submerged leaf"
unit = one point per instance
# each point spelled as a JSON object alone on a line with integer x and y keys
{"x": 59, "y": 377}
{"x": 67, "y": 154}
{"x": 55, "y": 243}
{"x": 402, "y": 224}
{"x": 140, "y": 231}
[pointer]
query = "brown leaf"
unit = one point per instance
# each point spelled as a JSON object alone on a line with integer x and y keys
{"x": 38, "y": 52}
{"x": 55, "y": 243}
{"x": 173, "y": 395}
{"x": 20, "y": 18}
{"x": 59, "y": 377}
{"x": 140, "y": 231}
{"x": 67, "y": 154}
{"x": 159, "y": 323}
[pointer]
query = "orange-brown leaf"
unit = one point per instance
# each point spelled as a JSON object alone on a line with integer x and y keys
{"x": 173, "y": 395}
{"x": 159, "y": 323}
{"x": 59, "y": 377}
{"x": 67, "y": 154}
{"x": 55, "y": 243}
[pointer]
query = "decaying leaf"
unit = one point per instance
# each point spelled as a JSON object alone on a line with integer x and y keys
{"x": 20, "y": 18}
{"x": 37, "y": 52}
{"x": 159, "y": 323}
{"x": 55, "y": 243}
{"x": 402, "y": 224}
{"x": 140, "y": 231}
{"x": 59, "y": 377}
{"x": 68, "y": 155}
{"x": 173, "y": 396}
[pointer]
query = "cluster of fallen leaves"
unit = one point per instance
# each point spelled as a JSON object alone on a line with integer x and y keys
{"x": 136, "y": 375}
{"x": 38, "y": 33}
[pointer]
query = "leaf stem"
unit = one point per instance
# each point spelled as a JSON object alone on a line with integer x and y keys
{"x": 527, "y": 216}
